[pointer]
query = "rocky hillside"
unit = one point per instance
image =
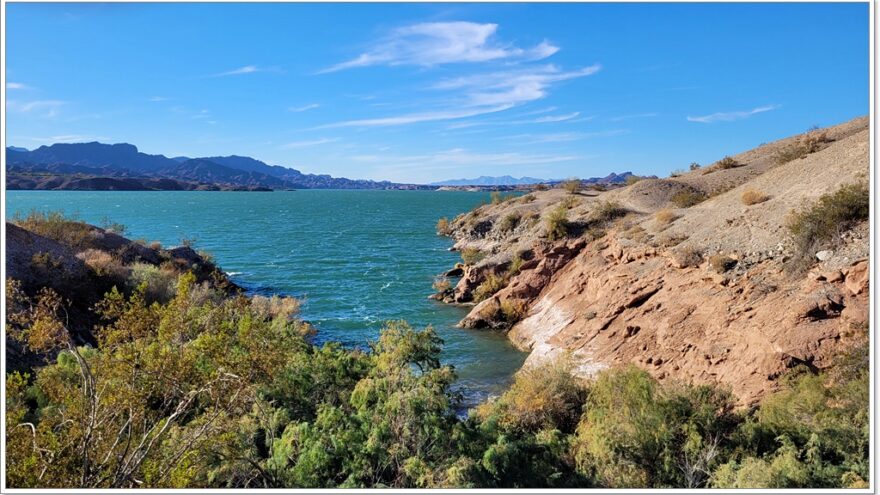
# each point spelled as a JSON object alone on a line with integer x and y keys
{"x": 728, "y": 273}
{"x": 81, "y": 263}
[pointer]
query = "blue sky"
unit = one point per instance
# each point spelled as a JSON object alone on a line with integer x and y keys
{"x": 425, "y": 92}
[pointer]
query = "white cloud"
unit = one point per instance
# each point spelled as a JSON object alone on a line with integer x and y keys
{"x": 46, "y": 108}
{"x": 485, "y": 94}
{"x": 435, "y": 43}
{"x": 68, "y": 138}
{"x": 513, "y": 87}
{"x": 562, "y": 137}
{"x": 305, "y": 144}
{"x": 556, "y": 118}
{"x": 15, "y": 85}
{"x": 414, "y": 118}
{"x": 247, "y": 69}
{"x": 460, "y": 158}
{"x": 158, "y": 98}
{"x": 304, "y": 108}
{"x": 730, "y": 116}
{"x": 634, "y": 116}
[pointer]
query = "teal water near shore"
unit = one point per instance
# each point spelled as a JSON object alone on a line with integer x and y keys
{"x": 357, "y": 258}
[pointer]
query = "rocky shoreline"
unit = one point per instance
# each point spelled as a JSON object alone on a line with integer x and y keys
{"x": 699, "y": 293}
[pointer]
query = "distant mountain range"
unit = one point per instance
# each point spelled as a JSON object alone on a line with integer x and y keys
{"x": 506, "y": 180}
{"x": 122, "y": 167}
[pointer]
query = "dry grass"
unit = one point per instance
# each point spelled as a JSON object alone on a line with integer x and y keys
{"x": 513, "y": 310}
{"x": 490, "y": 286}
{"x": 441, "y": 284}
{"x": 471, "y": 256}
{"x": 444, "y": 227}
{"x": 606, "y": 211}
{"x": 722, "y": 164}
{"x": 809, "y": 143}
{"x": 721, "y": 263}
{"x": 686, "y": 199}
{"x": 687, "y": 257}
{"x": 573, "y": 185}
{"x": 276, "y": 306}
{"x": 665, "y": 217}
{"x": 632, "y": 179}
{"x": 557, "y": 223}
{"x": 104, "y": 264}
{"x": 753, "y": 196}
{"x": 509, "y": 222}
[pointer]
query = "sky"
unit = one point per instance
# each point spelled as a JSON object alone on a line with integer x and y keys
{"x": 425, "y": 92}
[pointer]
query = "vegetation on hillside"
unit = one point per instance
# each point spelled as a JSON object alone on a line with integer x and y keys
{"x": 208, "y": 390}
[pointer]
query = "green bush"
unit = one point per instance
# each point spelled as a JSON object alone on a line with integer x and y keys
{"x": 821, "y": 224}
{"x": 492, "y": 284}
{"x": 471, "y": 256}
{"x": 557, "y": 223}
{"x": 157, "y": 284}
{"x": 509, "y": 222}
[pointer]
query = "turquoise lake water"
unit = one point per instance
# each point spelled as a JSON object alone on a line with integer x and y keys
{"x": 357, "y": 258}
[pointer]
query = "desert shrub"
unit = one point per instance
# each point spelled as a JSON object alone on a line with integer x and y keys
{"x": 513, "y": 310}
{"x": 753, "y": 196}
{"x": 677, "y": 173}
{"x": 444, "y": 227}
{"x": 721, "y": 263}
{"x": 686, "y": 199}
{"x": 671, "y": 240}
{"x": 822, "y": 223}
{"x": 111, "y": 226}
{"x": 188, "y": 241}
{"x": 441, "y": 284}
{"x": 557, "y": 223}
{"x": 809, "y": 143}
{"x": 635, "y": 233}
{"x": 570, "y": 202}
{"x": 515, "y": 265}
{"x": 495, "y": 197}
{"x": 687, "y": 257}
{"x": 155, "y": 245}
{"x": 632, "y": 179}
{"x": 606, "y": 211}
{"x": 471, "y": 256}
{"x": 492, "y": 284}
{"x": 573, "y": 185}
{"x": 694, "y": 166}
{"x": 541, "y": 397}
{"x": 539, "y": 187}
{"x": 665, "y": 216}
{"x": 104, "y": 264}
{"x": 276, "y": 306}
{"x": 509, "y": 222}
{"x": 598, "y": 187}
{"x": 723, "y": 164}
{"x": 56, "y": 226}
{"x": 159, "y": 285}
{"x": 635, "y": 432}
{"x": 528, "y": 198}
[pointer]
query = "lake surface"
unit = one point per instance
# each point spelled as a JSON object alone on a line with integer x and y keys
{"x": 357, "y": 258}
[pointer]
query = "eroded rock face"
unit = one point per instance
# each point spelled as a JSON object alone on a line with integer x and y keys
{"x": 611, "y": 306}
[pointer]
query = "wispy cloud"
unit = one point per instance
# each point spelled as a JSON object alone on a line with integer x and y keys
{"x": 731, "y": 116}
{"x": 247, "y": 69}
{"x": 68, "y": 138}
{"x": 634, "y": 116}
{"x": 435, "y": 43}
{"x": 562, "y": 137}
{"x": 306, "y": 144}
{"x": 157, "y": 99}
{"x": 513, "y": 86}
{"x": 459, "y": 158}
{"x": 15, "y": 85}
{"x": 556, "y": 118}
{"x": 304, "y": 108}
{"x": 45, "y": 108}
{"x": 486, "y": 94}
{"x": 414, "y": 118}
